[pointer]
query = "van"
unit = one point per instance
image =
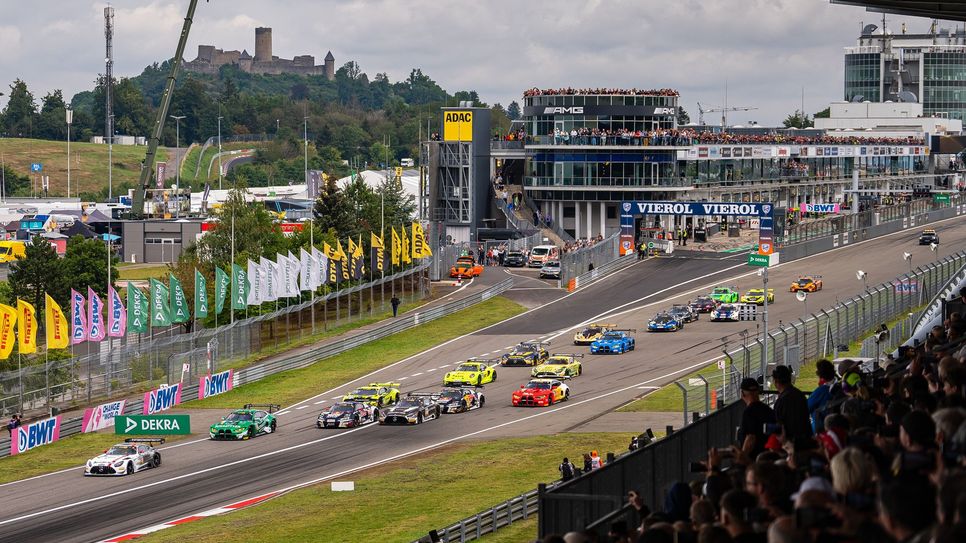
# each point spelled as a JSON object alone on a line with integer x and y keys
{"x": 12, "y": 250}
{"x": 542, "y": 253}
{"x": 407, "y": 162}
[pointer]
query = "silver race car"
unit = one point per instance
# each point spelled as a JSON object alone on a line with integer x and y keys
{"x": 415, "y": 408}
{"x": 347, "y": 415}
{"x": 135, "y": 454}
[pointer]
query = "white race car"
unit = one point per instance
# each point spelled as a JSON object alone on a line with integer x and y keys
{"x": 126, "y": 458}
{"x": 347, "y": 415}
{"x": 725, "y": 312}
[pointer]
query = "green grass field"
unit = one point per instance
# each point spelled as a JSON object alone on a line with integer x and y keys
{"x": 142, "y": 272}
{"x": 436, "y": 489}
{"x": 88, "y": 170}
{"x": 292, "y": 386}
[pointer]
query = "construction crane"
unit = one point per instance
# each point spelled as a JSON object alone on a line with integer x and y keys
{"x": 724, "y": 111}
{"x": 147, "y": 169}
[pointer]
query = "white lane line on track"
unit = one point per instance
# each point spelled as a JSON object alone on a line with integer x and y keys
{"x": 508, "y": 347}
{"x": 649, "y": 388}
{"x": 283, "y": 413}
{"x": 301, "y": 407}
{"x": 320, "y": 401}
{"x": 336, "y": 398}
{"x": 416, "y": 374}
{"x": 444, "y": 366}
{"x": 430, "y": 369}
{"x": 403, "y": 378}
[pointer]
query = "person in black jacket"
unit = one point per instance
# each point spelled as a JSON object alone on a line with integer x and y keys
{"x": 791, "y": 407}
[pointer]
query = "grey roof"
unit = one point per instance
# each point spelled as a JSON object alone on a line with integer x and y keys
{"x": 329, "y": 56}
{"x": 245, "y": 55}
{"x": 92, "y": 217}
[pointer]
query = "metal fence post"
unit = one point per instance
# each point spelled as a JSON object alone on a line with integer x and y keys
{"x": 684, "y": 409}
{"x": 707, "y": 395}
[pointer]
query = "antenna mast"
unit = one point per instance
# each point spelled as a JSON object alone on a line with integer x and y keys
{"x": 109, "y": 75}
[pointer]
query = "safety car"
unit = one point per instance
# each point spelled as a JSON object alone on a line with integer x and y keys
{"x": 613, "y": 341}
{"x": 703, "y": 304}
{"x": 246, "y": 423}
{"x": 591, "y": 332}
{"x": 757, "y": 296}
{"x": 928, "y": 237}
{"x": 725, "y": 312}
{"x": 415, "y": 408}
{"x": 460, "y": 399}
{"x": 550, "y": 270}
{"x": 466, "y": 267}
{"x": 664, "y": 322}
{"x": 724, "y": 295}
{"x": 475, "y": 371}
{"x": 683, "y": 313}
{"x": 527, "y": 353}
{"x": 134, "y": 455}
{"x": 540, "y": 392}
{"x": 377, "y": 394}
{"x": 559, "y": 366}
{"x": 807, "y": 283}
{"x": 347, "y": 415}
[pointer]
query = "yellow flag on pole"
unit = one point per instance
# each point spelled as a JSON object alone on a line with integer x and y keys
{"x": 8, "y": 319}
{"x": 56, "y": 324}
{"x": 420, "y": 247}
{"x": 395, "y": 253}
{"x": 406, "y": 254}
{"x": 26, "y": 327}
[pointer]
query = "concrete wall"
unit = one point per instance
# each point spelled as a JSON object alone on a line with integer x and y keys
{"x": 155, "y": 242}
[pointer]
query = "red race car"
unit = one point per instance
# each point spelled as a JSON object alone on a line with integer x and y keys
{"x": 541, "y": 393}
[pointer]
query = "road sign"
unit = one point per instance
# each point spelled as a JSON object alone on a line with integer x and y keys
{"x": 941, "y": 198}
{"x": 36, "y": 167}
{"x": 762, "y": 261}
{"x": 152, "y": 425}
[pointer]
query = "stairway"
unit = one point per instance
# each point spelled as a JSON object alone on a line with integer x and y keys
{"x": 522, "y": 217}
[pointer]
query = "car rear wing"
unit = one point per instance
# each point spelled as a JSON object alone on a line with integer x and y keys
{"x": 390, "y": 385}
{"x": 484, "y": 360}
{"x": 158, "y": 440}
{"x": 270, "y": 407}
{"x": 451, "y": 385}
{"x": 599, "y": 325}
{"x": 623, "y": 330}
{"x": 432, "y": 395}
{"x": 537, "y": 343}
{"x": 572, "y": 355}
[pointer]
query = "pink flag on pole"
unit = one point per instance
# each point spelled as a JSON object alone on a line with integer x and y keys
{"x": 79, "y": 329}
{"x": 116, "y": 314}
{"x": 95, "y": 318}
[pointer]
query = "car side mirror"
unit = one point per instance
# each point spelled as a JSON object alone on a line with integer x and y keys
{"x": 522, "y": 386}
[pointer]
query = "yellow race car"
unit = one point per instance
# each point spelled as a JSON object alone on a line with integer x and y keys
{"x": 559, "y": 366}
{"x": 591, "y": 333}
{"x": 757, "y": 296}
{"x": 378, "y": 394}
{"x": 474, "y": 371}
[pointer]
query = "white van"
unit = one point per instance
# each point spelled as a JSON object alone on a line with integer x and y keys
{"x": 542, "y": 253}
{"x": 407, "y": 162}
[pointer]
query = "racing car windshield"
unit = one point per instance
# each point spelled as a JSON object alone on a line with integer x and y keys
{"x": 538, "y": 384}
{"x": 591, "y": 331}
{"x": 612, "y": 335}
{"x": 343, "y": 408}
{"x": 721, "y": 291}
{"x": 408, "y": 403}
{"x": 726, "y": 307}
{"x": 522, "y": 349}
{"x": 121, "y": 450}
{"x": 468, "y": 367}
{"x": 364, "y": 392}
{"x": 451, "y": 394}
{"x": 238, "y": 417}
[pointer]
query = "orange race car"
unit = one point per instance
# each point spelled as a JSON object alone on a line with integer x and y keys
{"x": 466, "y": 267}
{"x": 807, "y": 283}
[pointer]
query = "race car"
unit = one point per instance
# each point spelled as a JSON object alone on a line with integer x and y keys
{"x": 550, "y": 270}
{"x": 559, "y": 366}
{"x": 592, "y": 332}
{"x": 474, "y": 371}
{"x": 466, "y": 267}
{"x": 613, "y": 341}
{"x": 540, "y": 392}
{"x": 725, "y": 312}
{"x": 683, "y": 313}
{"x": 377, "y": 394}
{"x": 246, "y": 423}
{"x": 757, "y": 296}
{"x": 702, "y": 304}
{"x": 125, "y": 458}
{"x": 928, "y": 237}
{"x": 515, "y": 259}
{"x": 347, "y": 415}
{"x": 664, "y": 322}
{"x": 807, "y": 283}
{"x": 415, "y": 408}
{"x": 527, "y": 353}
{"x": 461, "y": 399}
{"x": 724, "y": 295}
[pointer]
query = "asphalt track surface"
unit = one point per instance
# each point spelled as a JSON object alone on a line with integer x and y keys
{"x": 198, "y": 475}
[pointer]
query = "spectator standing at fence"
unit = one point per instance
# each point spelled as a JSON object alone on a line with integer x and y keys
{"x": 595, "y": 461}
{"x": 751, "y": 435}
{"x": 588, "y": 464}
{"x": 791, "y": 407}
{"x": 14, "y": 423}
{"x": 567, "y": 470}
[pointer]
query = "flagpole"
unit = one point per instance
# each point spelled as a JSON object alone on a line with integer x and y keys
{"x": 20, "y": 375}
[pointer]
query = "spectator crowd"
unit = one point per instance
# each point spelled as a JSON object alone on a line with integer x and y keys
{"x": 687, "y": 137}
{"x": 876, "y": 453}
{"x": 564, "y": 91}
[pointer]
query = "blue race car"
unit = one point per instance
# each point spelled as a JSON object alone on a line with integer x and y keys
{"x": 664, "y": 322}
{"x": 613, "y": 341}
{"x": 725, "y": 312}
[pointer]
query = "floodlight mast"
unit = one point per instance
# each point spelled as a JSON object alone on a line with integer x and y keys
{"x": 137, "y": 203}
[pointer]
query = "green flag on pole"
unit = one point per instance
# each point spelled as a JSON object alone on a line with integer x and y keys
{"x": 179, "y": 303}
{"x": 222, "y": 282}
{"x": 201, "y": 296}
{"x": 137, "y": 310}
{"x": 239, "y": 287}
{"x": 160, "y": 304}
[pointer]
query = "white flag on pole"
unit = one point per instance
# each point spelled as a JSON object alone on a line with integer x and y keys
{"x": 320, "y": 269}
{"x": 268, "y": 273}
{"x": 293, "y": 278}
{"x": 254, "y": 277}
{"x": 280, "y": 278}
{"x": 305, "y": 270}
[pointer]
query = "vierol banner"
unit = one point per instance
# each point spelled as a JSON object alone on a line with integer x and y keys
{"x": 632, "y": 210}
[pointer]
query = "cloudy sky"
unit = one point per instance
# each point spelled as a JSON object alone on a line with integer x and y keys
{"x": 766, "y": 50}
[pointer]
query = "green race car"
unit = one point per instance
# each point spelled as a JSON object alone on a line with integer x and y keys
{"x": 559, "y": 366}
{"x": 725, "y": 295}
{"x": 474, "y": 371}
{"x": 378, "y": 394}
{"x": 246, "y": 423}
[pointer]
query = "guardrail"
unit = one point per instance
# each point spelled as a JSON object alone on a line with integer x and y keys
{"x": 485, "y": 522}
{"x": 301, "y": 360}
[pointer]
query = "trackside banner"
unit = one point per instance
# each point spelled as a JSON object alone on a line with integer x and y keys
{"x": 102, "y": 416}
{"x": 162, "y": 399}
{"x": 218, "y": 383}
{"x": 33, "y": 435}
{"x": 631, "y": 210}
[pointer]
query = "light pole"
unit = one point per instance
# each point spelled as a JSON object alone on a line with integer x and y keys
{"x": 177, "y": 163}
{"x": 219, "y": 151}
{"x": 862, "y": 276}
{"x": 70, "y": 119}
{"x": 908, "y": 257}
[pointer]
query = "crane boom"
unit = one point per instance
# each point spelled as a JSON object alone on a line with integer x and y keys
{"x": 137, "y": 204}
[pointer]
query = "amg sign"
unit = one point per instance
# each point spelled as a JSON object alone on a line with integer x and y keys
{"x": 609, "y": 110}
{"x": 574, "y": 110}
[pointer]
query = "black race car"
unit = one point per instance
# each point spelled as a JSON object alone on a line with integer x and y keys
{"x": 527, "y": 353}
{"x": 347, "y": 415}
{"x": 683, "y": 313}
{"x": 515, "y": 259}
{"x": 702, "y": 304}
{"x": 460, "y": 399}
{"x": 415, "y": 408}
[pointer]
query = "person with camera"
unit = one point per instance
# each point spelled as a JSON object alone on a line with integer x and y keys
{"x": 791, "y": 407}
{"x": 818, "y": 399}
{"x": 751, "y": 433}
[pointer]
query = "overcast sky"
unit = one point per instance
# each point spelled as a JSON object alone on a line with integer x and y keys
{"x": 766, "y": 50}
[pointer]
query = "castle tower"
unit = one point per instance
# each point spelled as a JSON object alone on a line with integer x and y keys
{"x": 263, "y": 44}
{"x": 329, "y": 66}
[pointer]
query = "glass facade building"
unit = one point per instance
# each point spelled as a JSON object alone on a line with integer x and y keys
{"x": 944, "y": 83}
{"x": 863, "y": 76}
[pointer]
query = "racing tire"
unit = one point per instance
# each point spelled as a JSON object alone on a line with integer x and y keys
{"x": 156, "y": 460}
{"x": 579, "y": 371}
{"x": 566, "y": 395}
{"x": 130, "y": 469}
{"x": 419, "y": 418}
{"x": 482, "y": 402}
{"x": 378, "y": 402}
{"x": 494, "y": 376}
{"x": 251, "y": 432}
{"x": 274, "y": 426}
{"x": 549, "y": 401}
{"x": 479, "y": 381}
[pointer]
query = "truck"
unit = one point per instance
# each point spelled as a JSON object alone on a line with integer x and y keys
{"x": 11, "y": 251}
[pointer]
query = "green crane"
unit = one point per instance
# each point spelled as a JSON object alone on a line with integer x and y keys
{"x": 137, "y": 205}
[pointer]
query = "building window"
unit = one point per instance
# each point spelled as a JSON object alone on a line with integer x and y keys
{"x": 611, "y": 212}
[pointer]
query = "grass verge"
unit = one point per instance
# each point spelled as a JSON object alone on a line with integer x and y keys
{"x": 141, "y": 272}
{"x": 67, "y": 453}
{"x": 500, "y": 469}
{"x": 291, "y": 386}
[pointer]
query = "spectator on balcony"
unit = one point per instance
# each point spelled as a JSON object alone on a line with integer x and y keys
{"x": 751, "y": 435}
{"x": 791, "y": 407}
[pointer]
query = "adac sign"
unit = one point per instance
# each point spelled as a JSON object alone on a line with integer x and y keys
{"x": 162, "y": 399}
{"x": 33, "y": 435}
{"x": 457, "y": 126}
{"x": 218, "y": 383}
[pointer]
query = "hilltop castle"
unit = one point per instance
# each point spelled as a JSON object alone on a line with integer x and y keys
{"x": 210, "y": 60}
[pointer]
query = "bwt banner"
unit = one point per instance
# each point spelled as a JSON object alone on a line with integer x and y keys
{"x": 219, "y": 383}
{"x": 33, "y": 435}
{"x": 821, "y": 208}
{"x": 162, "y": 399}
{"x": 102, "y": 416}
